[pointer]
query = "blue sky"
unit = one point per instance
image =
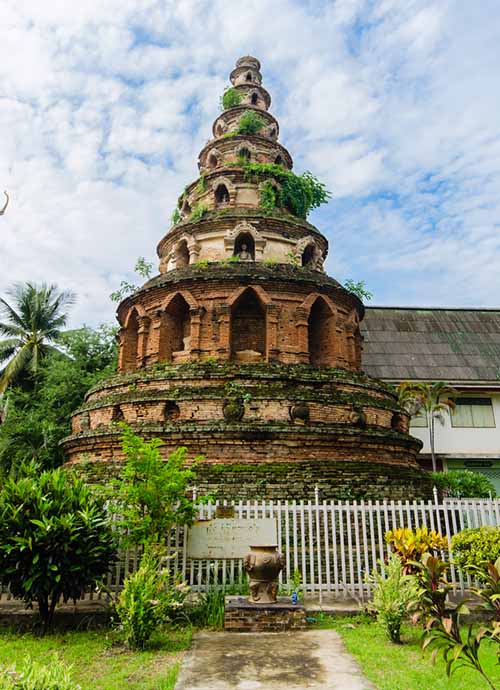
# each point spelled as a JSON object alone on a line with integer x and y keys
{"x": 395, "y": 104}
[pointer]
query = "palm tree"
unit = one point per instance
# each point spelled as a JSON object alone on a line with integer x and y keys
{"x": 30, "y": 327}
{"x": 433, "y": 398}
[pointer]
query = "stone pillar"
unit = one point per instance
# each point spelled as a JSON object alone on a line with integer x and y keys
{"x": 195, "y": 323}
{"x": 272, "y": 317}
{"x": 224, "y": 322}
{"x": 142, "y": 339}
{"x": 302, "y": 325}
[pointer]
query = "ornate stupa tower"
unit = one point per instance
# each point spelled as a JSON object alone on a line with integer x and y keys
{"x": 242, "y": 348}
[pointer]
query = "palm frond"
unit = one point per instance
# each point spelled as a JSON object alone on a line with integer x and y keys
{"x": 19, "y": 362}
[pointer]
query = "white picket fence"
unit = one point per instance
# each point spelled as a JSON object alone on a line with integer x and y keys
{"x": 332, "y": 544}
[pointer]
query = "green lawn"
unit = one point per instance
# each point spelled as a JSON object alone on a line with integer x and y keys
{"x": 403, "y": 667}
{"x": 97, "y": 663}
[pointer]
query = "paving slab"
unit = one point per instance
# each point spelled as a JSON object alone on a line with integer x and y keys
{"x": 310, "y": 660}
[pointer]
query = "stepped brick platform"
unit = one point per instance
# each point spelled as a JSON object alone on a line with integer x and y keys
{"x": 242, "y": 616}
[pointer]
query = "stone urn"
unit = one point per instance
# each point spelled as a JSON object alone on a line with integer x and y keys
{"x": 263, "y": 565}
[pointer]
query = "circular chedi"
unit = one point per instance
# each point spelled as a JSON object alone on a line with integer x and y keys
{"x": 242, "y": 348}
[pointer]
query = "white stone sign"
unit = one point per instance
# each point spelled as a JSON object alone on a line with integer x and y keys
{"x": 230, "y": 537}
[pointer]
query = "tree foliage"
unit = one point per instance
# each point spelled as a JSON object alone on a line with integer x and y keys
{"x": 143, "y": 269}
{"x": 33, "y": 425}
{"x": 55, "y": 540}
{"x": 150, "y": 496}
{"x": 31, "y": 324}
{"x": 435, "y": 399}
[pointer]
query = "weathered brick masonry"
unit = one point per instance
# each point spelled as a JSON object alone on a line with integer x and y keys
{"x": 244, "y": 350}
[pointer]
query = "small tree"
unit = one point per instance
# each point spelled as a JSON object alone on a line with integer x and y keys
{"x": 151, "y": 495}
{"x": 55, "y": 539}
{"x": 433, "y": 398}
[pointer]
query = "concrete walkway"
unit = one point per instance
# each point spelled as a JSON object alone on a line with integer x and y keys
{"x": 310, "y": 660}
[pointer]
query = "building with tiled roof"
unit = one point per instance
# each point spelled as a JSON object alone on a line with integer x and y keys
{"x": 458, "y": 346}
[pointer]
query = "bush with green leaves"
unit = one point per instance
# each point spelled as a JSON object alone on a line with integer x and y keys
{"x": 395, "y": 595}
{"x": 299, "y": 194}
{"x": 55, "y": 539}
{"x": 35, "y": 676}
{"x": 476, "y": 547}
{"x": 149, "y": 599}
{"x": 250, "y": 123}
{"x": 150, "y": 496}
{"x": 230, "y": 98}
{"x": 464, "y": 484}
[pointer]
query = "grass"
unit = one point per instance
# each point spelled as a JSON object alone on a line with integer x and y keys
{"x": 404, "y": 667}
{"x": 97, "y": 663}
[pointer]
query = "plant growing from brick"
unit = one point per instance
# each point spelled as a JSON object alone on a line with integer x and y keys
{"x": 230, "y": 98}
{"x": 151, "y": 495}
{"x": 250, "y": 123}
{"x": 55, "y": 539}
{"x": 298, "y": 193}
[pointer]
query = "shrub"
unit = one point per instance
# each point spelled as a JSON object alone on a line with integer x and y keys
{"x": 464, "y": 483}
{"x": 55, "y": 539}
{"x": 394, "y": 596}
{"x": 176, "y": 216}
{"x": 411, "y": 545}
{"x": 36, "y": 676}
{"x": 148, "y": 599}
{"x": 476, "y": 547}
{"x": 230, "y": 98}
{"x": 250, "y": 123}
{"x": 150, "y": 496}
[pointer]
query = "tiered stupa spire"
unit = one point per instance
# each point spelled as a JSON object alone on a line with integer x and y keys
{"x": 242, "y": 348}
{"x": 236, "y": 180}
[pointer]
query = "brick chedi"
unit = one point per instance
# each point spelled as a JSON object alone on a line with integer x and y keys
{"x": 242, "y": 348}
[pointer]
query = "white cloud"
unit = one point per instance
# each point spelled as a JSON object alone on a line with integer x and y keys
{"x": 105, "y": 105}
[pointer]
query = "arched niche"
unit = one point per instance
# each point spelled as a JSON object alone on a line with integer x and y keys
{"x": 248, "y": 328}
{"x": 245, "y": 153}
{"x": 130, "y": 342}
{"x": 308, "y": 258}
{"x": 181, "y": 254}
{"x": 213, "y": 160}
{"x": 221, "y": 195}
{"x": 175, "y": 329}
{"x": 279, "y": 160}
{"x": 244, "y": 246}
{"x": 248, "y": 76}
{"x": 321, "y": 333}
{"x": 254, "y": 98}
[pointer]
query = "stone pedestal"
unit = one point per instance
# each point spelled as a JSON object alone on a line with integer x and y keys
{"x": 242, "y": 616}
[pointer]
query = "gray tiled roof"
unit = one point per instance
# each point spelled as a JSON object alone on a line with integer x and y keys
{"x": 432, "y": 344}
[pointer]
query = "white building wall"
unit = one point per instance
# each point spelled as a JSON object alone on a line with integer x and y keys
{"x": 451, "y": 440}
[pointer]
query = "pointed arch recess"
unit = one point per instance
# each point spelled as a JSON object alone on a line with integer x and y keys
{"x": 248, "y": 324}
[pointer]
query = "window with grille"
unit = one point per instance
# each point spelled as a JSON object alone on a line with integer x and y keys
{"x": 473, "y": 412}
